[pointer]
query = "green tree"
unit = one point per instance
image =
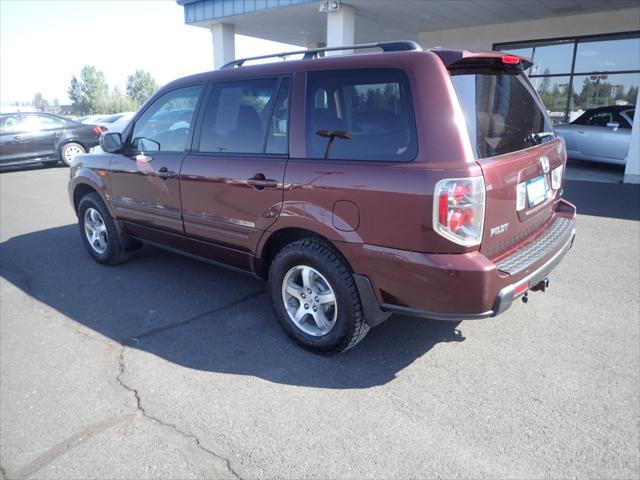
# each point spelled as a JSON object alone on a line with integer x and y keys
{"x": 90, "y": 93}
{"x": 140, "y": 86}
{"x": 119, "y": 102}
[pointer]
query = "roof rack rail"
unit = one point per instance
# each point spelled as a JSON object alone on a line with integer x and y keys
{"x": 399, "y": 46}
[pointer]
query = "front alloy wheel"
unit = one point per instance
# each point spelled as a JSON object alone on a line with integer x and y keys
{"x": 309, "y": 300}
{"x": 95, "y": 230}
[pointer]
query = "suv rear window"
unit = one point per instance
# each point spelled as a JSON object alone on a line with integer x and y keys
{"x": 501, "y": 108}
{"x": 370, "y": 107}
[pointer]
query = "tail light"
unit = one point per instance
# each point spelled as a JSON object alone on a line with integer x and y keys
{"x": 458, "y": 209}
{"x": 99, "y": 130}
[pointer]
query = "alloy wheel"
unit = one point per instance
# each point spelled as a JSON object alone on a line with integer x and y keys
{"x": 309, "y": 300}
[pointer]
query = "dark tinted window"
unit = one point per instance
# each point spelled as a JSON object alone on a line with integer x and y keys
{"x": 371, "y": 109}
{"x": 601, "y": 119}
{"x": 278, "y": 134}
{"x": 236, "y": 116}
{"x": 501, "y": 109}
{"x": 164, "y": 126}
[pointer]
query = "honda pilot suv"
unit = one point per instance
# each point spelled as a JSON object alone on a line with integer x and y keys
{"x": 423, "y": 183}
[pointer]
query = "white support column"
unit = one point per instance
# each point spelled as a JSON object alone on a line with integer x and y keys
{"x": 341, "y": 28}
{"x": 224, "y": 43}
{"x": 632, "y": 170}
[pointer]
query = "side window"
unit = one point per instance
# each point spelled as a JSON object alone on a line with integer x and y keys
{"x": 10, "y": 123}
{"x": 236, "y": 116}
{"x": 164, "y": 126}
{"x": 33, "y": 123}
{"x": 360, "y": 115}
{"x": 45, "y": 122}
{"x": 622, "y": 121}
{"x": 278, "y": 133}
{"x": 600, "y": 119}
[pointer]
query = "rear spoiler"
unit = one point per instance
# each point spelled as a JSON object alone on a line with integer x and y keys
{"x": 465, "y": 58}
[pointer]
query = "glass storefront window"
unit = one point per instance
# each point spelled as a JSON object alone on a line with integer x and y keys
{"x": 554, "y": 92}
{"x": 591, "y": 91}
{"x": 550, "y": 59}
{"x": 606, "y": 72}
{"x": 608, "y": 55}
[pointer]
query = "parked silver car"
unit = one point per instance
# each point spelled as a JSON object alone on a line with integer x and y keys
{"x": 601, "y": 134}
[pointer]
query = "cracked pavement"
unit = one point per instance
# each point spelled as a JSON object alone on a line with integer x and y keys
{"x": 166, "y": 367}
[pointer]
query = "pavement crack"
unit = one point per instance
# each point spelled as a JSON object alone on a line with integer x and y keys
{"x": 145, "y": 414}
{"x": 195, "y": 318}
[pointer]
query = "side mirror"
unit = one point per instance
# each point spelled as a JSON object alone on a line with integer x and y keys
{"x": 111, "y": 142}
{"x": 613, "y": 125}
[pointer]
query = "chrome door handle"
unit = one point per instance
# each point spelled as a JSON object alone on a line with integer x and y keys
{"x": 17, "y": 137}
{"x": 259, "y": 182}
{"x": 165, "y": 173}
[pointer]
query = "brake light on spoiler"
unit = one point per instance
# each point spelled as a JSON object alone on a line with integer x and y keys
{"x": 464, "y": 58}
{"x": 510, "y": 59}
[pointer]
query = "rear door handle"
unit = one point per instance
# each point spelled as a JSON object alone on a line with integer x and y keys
{"x": 165, "y": 173}
{"x": 17, "y": 137}
{"x": 260, "y": 182}
{"x": 580, "y": 131}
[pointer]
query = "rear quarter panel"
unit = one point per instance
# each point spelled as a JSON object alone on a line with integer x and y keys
{"x": 393, "y": 199}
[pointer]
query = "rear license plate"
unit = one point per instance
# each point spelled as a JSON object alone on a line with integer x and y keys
{"x": 536, "y": 191}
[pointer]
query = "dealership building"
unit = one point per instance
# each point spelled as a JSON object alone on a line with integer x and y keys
{"x": 586, "y": 53}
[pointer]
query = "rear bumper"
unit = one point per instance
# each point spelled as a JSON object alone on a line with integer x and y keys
{"x": 504, "y": 298}
{"x": 458, "y": 287}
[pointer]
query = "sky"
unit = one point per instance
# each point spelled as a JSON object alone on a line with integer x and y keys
{"x": 43, "y": 43}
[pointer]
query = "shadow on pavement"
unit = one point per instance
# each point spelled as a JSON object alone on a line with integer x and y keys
{"x": 200, "y": 316}
{"x": 615, "y": 200}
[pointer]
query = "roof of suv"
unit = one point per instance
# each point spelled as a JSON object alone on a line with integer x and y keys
{"x": 400, "y": 52}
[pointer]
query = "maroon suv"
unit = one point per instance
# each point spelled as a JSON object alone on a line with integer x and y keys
{"x": 425, "y": 183}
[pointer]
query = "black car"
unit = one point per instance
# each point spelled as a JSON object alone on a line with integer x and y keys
{"x": 43, "y": 137}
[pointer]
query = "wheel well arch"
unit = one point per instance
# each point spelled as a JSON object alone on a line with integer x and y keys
{"x": 80, "y": 191}
{"x": 281, "y": 238}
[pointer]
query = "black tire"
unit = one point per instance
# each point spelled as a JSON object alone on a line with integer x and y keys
{"x": 116, "y": 243}
{"x": 66, "y": 148}
{"x": 349, "y": 327}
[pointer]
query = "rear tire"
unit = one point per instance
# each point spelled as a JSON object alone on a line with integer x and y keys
{"x": 69, "y": 151}
{"x": 100, "y": 235}
{"x": 315, "y": 297}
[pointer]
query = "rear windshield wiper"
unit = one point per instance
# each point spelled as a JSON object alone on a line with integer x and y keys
{"x": 536, "y": 138}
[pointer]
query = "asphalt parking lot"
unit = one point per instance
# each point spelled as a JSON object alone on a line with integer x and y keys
{"x": 167, "y": 367}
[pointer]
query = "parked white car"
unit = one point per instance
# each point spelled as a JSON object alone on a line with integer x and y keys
{"x": 601, "y": 134}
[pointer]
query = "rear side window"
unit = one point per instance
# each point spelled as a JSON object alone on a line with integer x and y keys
{"x": 501, "y": 109}
{"x": 360, "y": 115}
{"x": 238, "y": 115}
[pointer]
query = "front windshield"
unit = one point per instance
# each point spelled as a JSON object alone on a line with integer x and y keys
{"x": 502, "y": 111}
